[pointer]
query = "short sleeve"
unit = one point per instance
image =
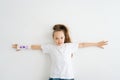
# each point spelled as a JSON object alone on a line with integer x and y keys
{"x": 73, "y": 47}
{"x": 45, "y": 48}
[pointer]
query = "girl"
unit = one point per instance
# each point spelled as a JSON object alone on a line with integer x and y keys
{"x": 60, "y": 52}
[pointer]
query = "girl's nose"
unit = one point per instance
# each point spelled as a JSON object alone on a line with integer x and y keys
{"x": 59, "y": 41}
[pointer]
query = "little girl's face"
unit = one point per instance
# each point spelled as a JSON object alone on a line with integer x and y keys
{"x": 59, "y": 38}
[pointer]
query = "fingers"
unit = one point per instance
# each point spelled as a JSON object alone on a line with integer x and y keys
{"x": 17, "y": 49}
{"x": 14, "y": 45}
{"x": 105, "y": 42}
{"x": 101, "y": 47}
{"x": 102, "y": 43}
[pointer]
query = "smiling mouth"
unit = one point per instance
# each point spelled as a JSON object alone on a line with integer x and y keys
{"x": 59, "y": 43}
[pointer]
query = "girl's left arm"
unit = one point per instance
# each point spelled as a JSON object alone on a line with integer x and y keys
{"x": 99, "y": 44}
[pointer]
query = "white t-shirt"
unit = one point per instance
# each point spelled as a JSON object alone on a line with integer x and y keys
{"x": 61, "y": 66}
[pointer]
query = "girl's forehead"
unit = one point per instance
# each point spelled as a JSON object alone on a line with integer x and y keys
{"x": 59, "y": 33}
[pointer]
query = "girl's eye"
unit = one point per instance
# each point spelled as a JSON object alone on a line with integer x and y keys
{"x": 61, "y": 37}
{"x": 56, "y": 38}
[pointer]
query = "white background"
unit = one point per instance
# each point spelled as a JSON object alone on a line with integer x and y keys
{"x": 31, "y": 22}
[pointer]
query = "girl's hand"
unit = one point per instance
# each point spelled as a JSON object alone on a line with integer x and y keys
{"x": 101, "y": 44}
{"x": 15, "y": 47}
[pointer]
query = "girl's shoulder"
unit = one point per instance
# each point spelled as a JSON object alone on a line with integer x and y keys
{"x": 49, "y": 45}
{"x": 72, "y": 44}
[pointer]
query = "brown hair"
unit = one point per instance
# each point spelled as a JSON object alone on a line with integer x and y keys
{"x": 61, "y": 27}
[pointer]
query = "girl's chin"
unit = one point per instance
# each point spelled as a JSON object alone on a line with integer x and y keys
{"x": 59, "y": 44}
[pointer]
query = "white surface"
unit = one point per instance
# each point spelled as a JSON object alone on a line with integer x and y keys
{"x": 31, "y": 21}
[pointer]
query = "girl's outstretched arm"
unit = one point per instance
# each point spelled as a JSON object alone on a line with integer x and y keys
{"x": 19, "y": 47}
{"x": 36, "y": 47}
{"x": 99, "y": 44}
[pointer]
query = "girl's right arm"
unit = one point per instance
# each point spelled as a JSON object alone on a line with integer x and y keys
{"x": 19, "y": 47}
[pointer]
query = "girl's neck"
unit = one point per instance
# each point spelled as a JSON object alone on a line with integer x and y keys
{"x": 60, "y": 44}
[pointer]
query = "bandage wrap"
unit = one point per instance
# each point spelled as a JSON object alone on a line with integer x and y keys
{"x": 20, "y": 47}
{"x": 23, "y": 47}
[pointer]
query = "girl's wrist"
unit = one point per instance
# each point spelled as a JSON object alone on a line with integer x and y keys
{"x": 96, "y": 44}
